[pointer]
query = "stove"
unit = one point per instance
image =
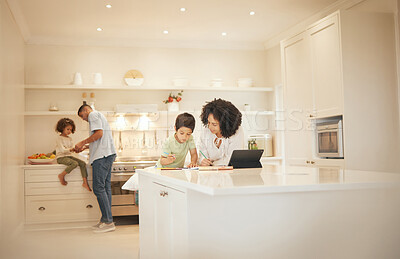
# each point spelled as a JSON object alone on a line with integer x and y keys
{"x": 123, "y": 201}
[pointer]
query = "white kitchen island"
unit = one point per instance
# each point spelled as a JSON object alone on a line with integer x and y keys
{"x": 273, "y": 212}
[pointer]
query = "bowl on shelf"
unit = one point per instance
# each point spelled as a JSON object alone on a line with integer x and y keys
{"x": 134, "y": 78}
{"x": 41, "y": 161}
{"x": 180, "y": 82}
{"x": 217, "y": 82}
{"x": 245, "y": 82}
{"x": 134, "y": 81}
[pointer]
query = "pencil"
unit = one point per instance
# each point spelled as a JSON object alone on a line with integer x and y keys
{"x": 168, "y": 154}
{"x": 203, "y": 154}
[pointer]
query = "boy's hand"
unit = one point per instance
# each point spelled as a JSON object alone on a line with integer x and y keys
{"x": 192, "y": 165}
{"x": 170, "y": 158}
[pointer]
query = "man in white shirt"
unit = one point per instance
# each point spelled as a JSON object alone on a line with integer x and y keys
{"x": 102, "y": 156}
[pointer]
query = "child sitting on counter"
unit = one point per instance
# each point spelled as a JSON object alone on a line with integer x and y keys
{"x": 177, "y": 146}
{"x": 64, "y": 149}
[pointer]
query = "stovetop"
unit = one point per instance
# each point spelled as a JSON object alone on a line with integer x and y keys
{"x": 131, "y": 166}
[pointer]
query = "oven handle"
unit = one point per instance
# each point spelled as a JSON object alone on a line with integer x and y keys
{"x": 123, "y": 174}
{"x": 327, "y": 130}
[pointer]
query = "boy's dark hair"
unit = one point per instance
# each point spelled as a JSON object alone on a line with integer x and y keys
{"x": 64, "y": 122}
{"x": 82, "y": 107}
{"x": 228, "y": 116}
{"x": 185, "y": 120}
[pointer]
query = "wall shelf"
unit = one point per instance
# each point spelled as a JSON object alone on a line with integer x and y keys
{"x": 145, "y": 88}
{"x": 113, "y": 113}
{"x": 61, "y": 113}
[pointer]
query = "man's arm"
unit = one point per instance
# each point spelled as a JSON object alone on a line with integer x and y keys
{"x": 95, "y": 136}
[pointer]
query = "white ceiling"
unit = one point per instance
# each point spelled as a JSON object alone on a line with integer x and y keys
{"x": 143, "y": 21}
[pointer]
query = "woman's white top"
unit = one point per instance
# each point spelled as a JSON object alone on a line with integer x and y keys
{"x": 63, "y": 146}
{"x": 220, "y": 156}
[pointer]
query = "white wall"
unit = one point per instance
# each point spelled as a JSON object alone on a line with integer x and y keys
{"x": 273, "y": 66}
{"x": 12, "y": 122}
{"x": 57, "y": 65}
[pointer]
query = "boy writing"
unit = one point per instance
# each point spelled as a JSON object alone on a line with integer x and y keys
{"x": 177, "y": 146}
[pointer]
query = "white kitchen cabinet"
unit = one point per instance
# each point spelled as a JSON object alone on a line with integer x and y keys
{"x": 163, "y": 214}
{"x": 350, "y": 67}
{"x": 298, "y": 99}
{"x": 324, "y": 42}
{"x": 47, "y": 201}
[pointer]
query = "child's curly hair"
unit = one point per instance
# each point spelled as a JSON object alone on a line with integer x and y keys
{"x": 64, "y": 122}
{"x": 228, "y": 116}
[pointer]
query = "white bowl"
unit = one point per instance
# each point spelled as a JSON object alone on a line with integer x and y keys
{"x": 134, "y": 81}
{"x": 244, "y": 83}
{"x": 180, "y": 82}
{"x": 42, "y": 161}
{"x": 217, "y": 83}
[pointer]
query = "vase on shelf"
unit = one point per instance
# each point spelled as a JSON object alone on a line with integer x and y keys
{"x": 173, "y": 106}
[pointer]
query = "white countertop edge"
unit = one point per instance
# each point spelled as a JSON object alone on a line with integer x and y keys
{"x": 45, "y": 166}
{"x": 264, "y": 189}
{"x": 179, "y": 183}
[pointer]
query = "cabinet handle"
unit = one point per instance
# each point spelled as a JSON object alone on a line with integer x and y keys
{"x": 311, "y": 116}
{"x": 307, "y": 162}
{"x": 312, "y": 162}
{"x": 42, "y": 208}
{"x": 163, "y": 194}
{"x": 89, "y": 206}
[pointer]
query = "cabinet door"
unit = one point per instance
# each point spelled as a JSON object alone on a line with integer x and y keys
{"x": 327, "y": 67}
{"x": 163, "y": 220}
{"x": 298, "y": 99}
{"x": 170, "y": 222}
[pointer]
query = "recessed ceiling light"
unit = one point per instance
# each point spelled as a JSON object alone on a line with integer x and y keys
{"x": 165, "y": 32}
{"x": 252, "y": 13}
{"x": 183, "y": 9}
{"x": 108, "y": 5}
{"x": 99, "y": 29}
{"x": 224, "y": 34}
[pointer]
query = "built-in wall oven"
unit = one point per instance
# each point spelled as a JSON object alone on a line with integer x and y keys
{"x": 329, "y": 139}
{"x": 123, "y": 201}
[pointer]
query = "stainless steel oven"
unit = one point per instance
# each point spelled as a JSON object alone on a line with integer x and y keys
{"x": 330, "y": 139}
{"x": 123, "y": 201}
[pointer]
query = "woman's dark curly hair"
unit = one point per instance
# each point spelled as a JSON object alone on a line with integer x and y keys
{"x": 228, "y": 116}
{"x": 64, "y": 122}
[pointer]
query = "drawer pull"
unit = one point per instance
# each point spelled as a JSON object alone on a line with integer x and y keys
{"x": 42, "y": 208}
{"x": 89, "y": 206}
{"x": 312, "y": 162}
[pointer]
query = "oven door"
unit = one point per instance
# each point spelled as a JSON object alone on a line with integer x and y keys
{"x": 119, "y": 196}
{"x": 330, "y": 143}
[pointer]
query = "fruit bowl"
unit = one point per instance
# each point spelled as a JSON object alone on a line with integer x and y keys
{"x": 41, "y": 161}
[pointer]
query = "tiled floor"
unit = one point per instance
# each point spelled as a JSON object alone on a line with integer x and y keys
{"x": 75, "y": 243}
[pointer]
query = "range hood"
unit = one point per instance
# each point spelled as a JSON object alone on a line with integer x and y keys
{"x": 135, "y": 109}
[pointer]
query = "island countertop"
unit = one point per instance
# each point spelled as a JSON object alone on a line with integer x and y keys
{"x": 273, "y": 179}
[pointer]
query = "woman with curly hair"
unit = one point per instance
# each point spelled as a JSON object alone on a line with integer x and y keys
{"x": 222, "y": 133}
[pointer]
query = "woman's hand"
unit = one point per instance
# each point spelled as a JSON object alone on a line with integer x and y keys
{"x": 206, "y": 162}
